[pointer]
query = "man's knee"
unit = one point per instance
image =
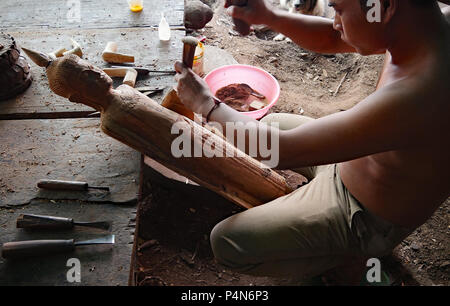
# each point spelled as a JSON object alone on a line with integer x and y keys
{"x": 227, "y": 251}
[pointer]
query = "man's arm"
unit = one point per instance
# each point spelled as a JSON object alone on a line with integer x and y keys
{"x": 310, "y": 32}
{"x": 387, "y": 120}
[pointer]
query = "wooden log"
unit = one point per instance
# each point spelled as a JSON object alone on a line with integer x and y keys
{"x": 15, "y": 76}
{"x": 143, "y": 124}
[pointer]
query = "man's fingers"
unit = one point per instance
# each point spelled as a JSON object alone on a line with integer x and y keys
{"x": 179, "y": 67}
{"x": 236, "y": 12}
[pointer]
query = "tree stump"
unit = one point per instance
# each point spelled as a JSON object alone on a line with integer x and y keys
{"x": 15, "y": 76}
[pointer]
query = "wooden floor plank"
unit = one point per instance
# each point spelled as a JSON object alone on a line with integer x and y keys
{"x": 143, "y": 43}
{"x": 31, "y": 14}
{"x": 106, "y": 265}
{"x": 64, "y": 149}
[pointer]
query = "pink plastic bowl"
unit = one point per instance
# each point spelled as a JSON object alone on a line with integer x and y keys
{"x": 258, "y": 79}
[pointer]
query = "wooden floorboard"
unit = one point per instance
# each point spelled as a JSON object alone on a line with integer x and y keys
{"x": 51, "y": 14}
{"x": 143, "y": 43}
{"x": 64, "y": 149}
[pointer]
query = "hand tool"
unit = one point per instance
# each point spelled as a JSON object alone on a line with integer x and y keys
{"x": 171, "y": 100}
{"x": 50, "y": 222}
{"x": 150, "y": 88}
{"x": 33, "y": 248}
{"x": 67, "y": 185}
{"x": 241, "y": 26}
{"x": 145, "y": 71}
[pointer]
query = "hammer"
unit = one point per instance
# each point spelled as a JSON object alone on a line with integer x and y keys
{"x": 189, "y": 45}
{"x": 171, "y": 100}
{"x": 241, "y": 26}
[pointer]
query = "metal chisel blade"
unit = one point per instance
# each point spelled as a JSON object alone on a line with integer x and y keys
{"x": 104, "y": 240}
{"x": 105, "y": 225}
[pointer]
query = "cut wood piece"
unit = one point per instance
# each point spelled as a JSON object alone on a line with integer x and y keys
{"x": 257, "y": 105}
{"x": 111, "y": 55}
{"x": 129, "y": 74}
{"x": 57, "y": 53}
{"x": 76, "y": 49}
{"x": 15, "y": 75}
{"x": 143, "y": 124}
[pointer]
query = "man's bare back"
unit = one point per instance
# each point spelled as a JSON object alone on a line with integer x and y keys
{"x": 406, "y": 186}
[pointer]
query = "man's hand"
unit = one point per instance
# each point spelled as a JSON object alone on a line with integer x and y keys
{"x": 255, "y": 12}
{"x": 193, "y": 91}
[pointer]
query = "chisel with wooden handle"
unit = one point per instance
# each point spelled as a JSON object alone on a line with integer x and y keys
{"x": 67, "y": 185}
{"x": 145, "y": 71}
{"x": 29, "y": 221}
{"x": 34, "y": 248}
{"x": 171, "y": 100}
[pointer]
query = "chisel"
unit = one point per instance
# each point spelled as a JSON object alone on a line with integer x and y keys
{"x": 29, "y": 221}
{"x": 145, "y": 71}
{"x": 67, "y": 185}
{"x": 34, "y": 248}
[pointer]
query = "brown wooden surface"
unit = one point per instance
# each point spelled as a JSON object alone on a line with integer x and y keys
{"x": 39, "y": 101}
{"x": 64, "y": 149}
{"x": 99, "y": 14}
{"x": 105, "y": 265}
{"x": 43, "y": 25}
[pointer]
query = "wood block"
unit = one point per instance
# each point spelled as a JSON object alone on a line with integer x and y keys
{"x": 257, "y": 105}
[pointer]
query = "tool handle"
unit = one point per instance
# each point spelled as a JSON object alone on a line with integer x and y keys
{"x": 189, "y": 46}
{"x": 62, "y": 185}
{"x": 241, "y": 26}
{"x": 43, "y": 222}
{"x": 33, "y": 248}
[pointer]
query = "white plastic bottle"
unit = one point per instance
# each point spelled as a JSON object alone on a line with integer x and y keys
{"x": 164, "y": 29}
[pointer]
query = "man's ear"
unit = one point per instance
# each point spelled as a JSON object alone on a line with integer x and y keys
{"x": 388, "y": 10}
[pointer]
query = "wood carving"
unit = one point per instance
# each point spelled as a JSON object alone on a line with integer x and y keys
{"x": 143, "y": 124}
{"x": 15, "y": 75}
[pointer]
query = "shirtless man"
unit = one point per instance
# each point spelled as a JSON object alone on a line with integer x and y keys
{"x": 376, "y": 171}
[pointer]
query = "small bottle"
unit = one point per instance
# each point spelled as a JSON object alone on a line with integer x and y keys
{"x": 164, "y": 29}
{"x": 198, "y": 66}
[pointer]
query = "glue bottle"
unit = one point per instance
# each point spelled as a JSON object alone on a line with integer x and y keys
{"x": 164, "y": 29}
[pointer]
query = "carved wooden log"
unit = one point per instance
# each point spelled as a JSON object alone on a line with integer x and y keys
{"x": 15, "y": 76}
{"x": 143, "y": 124}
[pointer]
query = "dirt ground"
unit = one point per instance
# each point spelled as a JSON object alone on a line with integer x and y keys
{"x": 178, "y": 228}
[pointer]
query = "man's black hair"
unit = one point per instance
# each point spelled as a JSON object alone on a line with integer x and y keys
{"x": 424, "y": 3}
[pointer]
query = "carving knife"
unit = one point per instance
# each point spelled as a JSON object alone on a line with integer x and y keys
{"x": 145, "y": 71}
{"x": 29, "y": 221}
{"x": 34, "y": 248}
